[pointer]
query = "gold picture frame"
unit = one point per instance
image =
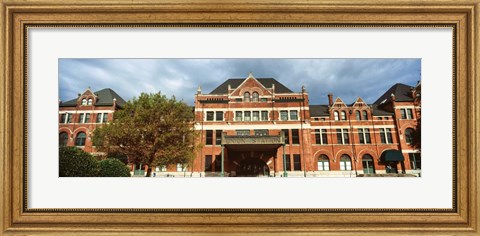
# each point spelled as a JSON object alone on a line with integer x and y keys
{"x": 17, "y": 16}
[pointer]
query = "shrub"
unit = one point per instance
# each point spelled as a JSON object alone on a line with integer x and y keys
{"x": 112, "y": 167}
{"x": 74, "y": 162}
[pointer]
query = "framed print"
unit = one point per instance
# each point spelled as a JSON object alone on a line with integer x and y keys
{"x": 245, "y": 117}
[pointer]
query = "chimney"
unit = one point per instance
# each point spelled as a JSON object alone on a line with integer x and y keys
{"x": 330, "y": 99}
{"x": 393, "y": 96}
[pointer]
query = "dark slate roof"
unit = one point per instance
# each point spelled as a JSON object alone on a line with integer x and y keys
{"x": 104, "y": 98}
{"x": 267, "y": 82}
{"x": 380, "y": 112}
{"x": 318, "y": 110}
{"x": 402, "y": 93}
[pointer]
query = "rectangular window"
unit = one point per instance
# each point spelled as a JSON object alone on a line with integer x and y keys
{"x": 210, "y": 115}
{"x": 105, "y": 117}
{"x": 386, "y": 135}
{"x": 63, "y": 118}
{"x": 238, "y": 100}
{"x": 208, "y": 163}
{"x": 342, "y": 136}
{"x": 80, "y": 118}
{"x": 180, "y": 167}
{"x": 364, "y": 135}
{"x": 403, "y": 113}
{"x": 238, "y": 116}
{"x": 219, "y": 116}
{"x": 283, "y": 115}
{"x": 321, "y": 136}
{"x": 209, "y": 137}
{"x": 287, "y": 136}
{"x": 264, "y": 115}
{"x": 69, "y": 118}
{"x": 382, "y": 136}
{"x": 409, "y": 114}
{"x": 87, "y": 118}
{"x": 295, "y": 136}
{"x": 263, "y": 99}
{"x": 99, "y": 117}
{"x": 247, "y": 116}
{"x": 261, "y": 132}
{"x": 161, "y": 169}
{"x": 218, "y": 163}
{"x": 415, "y": 161}
{"x": 218, "y": 137}
{"x": 293, "y": 115}
{"x": 243, "y": 132}
{"x": 389, "y": 136}
{"x": 256, "y": 116}
{"x": 287, "y": 162}
{"x": 297, "y": 165}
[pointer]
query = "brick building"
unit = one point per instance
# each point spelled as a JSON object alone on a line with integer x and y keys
{"x": 259, "y": 127}
{"x": 79, "y": 117}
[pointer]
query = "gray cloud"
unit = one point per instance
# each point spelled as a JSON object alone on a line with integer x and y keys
{"x": 345, "y": 78}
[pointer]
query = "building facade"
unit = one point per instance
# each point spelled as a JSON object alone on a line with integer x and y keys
{"x": 79, "y": 117}
{"x": 259, "y": 127}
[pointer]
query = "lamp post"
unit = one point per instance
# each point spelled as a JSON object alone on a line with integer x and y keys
{"x": 353, "y": 147}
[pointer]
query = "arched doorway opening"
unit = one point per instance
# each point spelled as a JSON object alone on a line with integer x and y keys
{"x": 367, "y": 163}
{"x": 252, "y": 167}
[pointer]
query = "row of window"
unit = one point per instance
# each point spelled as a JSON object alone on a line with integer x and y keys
{"x": 251, "y": 115}
{"x": 363, "y": 136}
{"x": 66, "y": 118}
{"x": 323, "y": 163}
{"x": 254, "y": 97}
{"x": 343, "y": 115}
{"x": 79, "y": 139}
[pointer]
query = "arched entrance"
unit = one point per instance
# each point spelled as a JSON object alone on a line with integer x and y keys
{"x": 252, "y": 167}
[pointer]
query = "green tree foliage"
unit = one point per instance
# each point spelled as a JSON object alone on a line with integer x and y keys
{"x": 75, "y": 162}
{"x": 113, "y": 168}
{"x": 150, "y": 129}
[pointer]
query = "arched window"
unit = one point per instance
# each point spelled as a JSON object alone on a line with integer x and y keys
{"x": 344, "y": 115}
{"x": 80, "y": 139}
{"x": 335, "y": 114}
{"x": 90, "y": 101}
{"x": 246, "y": 97}
{"x": 365, "y": 116}
{"x": 63, "y": 139}
{"x": 323, "y": 163}
{"x": 367, "y": 162}
{"x": 345, "y": 162}
{"x": 254, "y": 97}
{"x": 357, "y": 115}
{"x": 409, "y": 136}
{"x": 84, "y": 101}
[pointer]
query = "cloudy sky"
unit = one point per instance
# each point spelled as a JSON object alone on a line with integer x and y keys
{"x": 345, "y": 78}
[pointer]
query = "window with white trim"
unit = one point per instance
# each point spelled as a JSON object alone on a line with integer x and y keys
{"x": 406, "y": 113}
{"x": 342, "y": 136}
{"x": 254, "y": 97}
{"x": 321, "y": 136}
{"x": 345, "y": 162}
{"x": 335, "y": 115}
{"x": 246, "y": 97}
{"x": 210, "y": 116}
{"x": 323, "y": 163}
{"x": 247, "y": 116}
{"x": 293, "y": 115}
{"x": 344, "y": 115}
{"x": 264, "y": 115}
{"x": 90, "y": 101}
{"x": 364, "y": 135}
{"x": 84, "y": 102}
{"x": 219, "y": 115}
{"x": 409, "y": 136}
{"x": 283, "y": 115}
{"x": 386, "y": 135}
{"x": 255, "y": 116}
{"x": 238, "y": 116}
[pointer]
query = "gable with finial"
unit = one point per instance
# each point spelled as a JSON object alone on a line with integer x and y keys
{"x": 338, "y": 103}
{"x": 250, "y": 85}
{"x": 359, "y": 103}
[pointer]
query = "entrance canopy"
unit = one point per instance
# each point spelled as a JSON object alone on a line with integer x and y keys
{"x": 391, "y": 155}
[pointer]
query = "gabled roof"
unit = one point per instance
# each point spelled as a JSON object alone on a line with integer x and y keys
{"x": 402, "y": 93}
{"x": 266, "y": 82}
{"x": 318, "y": 110}
{"x": 104, "y": 98}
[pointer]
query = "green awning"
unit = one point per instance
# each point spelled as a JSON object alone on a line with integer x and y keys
{"x": 392, "y": 155}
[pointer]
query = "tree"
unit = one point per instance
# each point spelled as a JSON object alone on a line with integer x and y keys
{"x": 113, "y": 168}
{"x": 74, "y": 162}
{"x": 150, "y": 129}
